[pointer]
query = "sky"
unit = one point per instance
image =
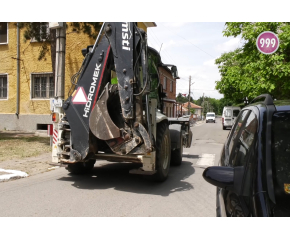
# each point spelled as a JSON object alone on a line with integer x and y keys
{"x": 193, "y": 48}
{"x": 192, "y": 42}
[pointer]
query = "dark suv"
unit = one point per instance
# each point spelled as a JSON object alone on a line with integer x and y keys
{"x": 253, "y": 176}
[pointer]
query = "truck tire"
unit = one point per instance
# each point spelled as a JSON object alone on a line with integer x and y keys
{"x": 176, "y": 155}
{"x": 81, "y": 167}
{"x": 163, "y": 152}
{"x": 224, "y": 128}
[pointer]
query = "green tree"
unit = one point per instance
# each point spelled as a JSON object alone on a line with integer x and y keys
{"x": 47, "y": 37}
{"x": 246, "y": 72}
{"x": 210, "y": 104}
{"x": 181, "y": 99}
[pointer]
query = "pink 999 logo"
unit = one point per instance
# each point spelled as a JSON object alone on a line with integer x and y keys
{"x": 267, "y": 42}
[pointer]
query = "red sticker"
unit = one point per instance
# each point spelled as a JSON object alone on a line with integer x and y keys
{"x": 80, "y": 96}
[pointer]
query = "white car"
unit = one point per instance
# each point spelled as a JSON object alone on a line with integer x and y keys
{"x": 229, "y": 116}
{"x": 210, "y": 117}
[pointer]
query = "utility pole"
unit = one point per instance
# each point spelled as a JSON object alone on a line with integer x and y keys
{"x": 60, "y": 62}
{"x": 57, "y": 101}
{"x": 189, "y": 95}
{"x": 202, "y": 107}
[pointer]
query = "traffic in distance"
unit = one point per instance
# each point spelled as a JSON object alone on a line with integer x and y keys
{"x": 253, "y": 174}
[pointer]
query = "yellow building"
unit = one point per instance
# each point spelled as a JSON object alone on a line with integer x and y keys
{"x": 30, "y": 109}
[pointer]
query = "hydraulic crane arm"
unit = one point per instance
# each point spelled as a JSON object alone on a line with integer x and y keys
{"x": 98, "y": 110}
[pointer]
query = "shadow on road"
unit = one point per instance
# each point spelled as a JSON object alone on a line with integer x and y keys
{"x": 190, "y": 156}
{"x": 116, "y": 175}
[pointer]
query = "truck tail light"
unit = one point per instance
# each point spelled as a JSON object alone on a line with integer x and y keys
{"x": 54, "y": 117}
{"x": 223, "y": 120}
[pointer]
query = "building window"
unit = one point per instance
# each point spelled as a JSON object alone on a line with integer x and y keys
{"x": 164, "y": 83}
{"x": 3, "y": 86}
{"x": 171, "y": 86}
{"x": 42, "y": 86}
{"x": 3, "y": 32}
{"x": 43, "y": 29}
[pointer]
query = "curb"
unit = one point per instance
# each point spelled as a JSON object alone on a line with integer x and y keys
{"x": 11, "y": 174}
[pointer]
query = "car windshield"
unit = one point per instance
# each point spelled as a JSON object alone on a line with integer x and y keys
{"x": 236, "y": 113}
{"x": 281, "y": 159}
{"x": 210, "y": 115}
{"x": 228, "y": 113}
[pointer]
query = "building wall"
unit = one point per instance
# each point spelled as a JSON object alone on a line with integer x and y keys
{"x": 198, "y": 111}
{"x": 8, "y": 66}
{"x": 169, "y": 108}
{"x": 169, "y": 78}
{"x": 34, "y": 111}
{"x": 29, "y": 52}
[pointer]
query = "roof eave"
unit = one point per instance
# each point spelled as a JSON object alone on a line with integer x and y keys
{"x": 150, "y": 24}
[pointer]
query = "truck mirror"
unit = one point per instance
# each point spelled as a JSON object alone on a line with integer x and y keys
{"x": 87, "y": 50}
{"x": 84, "y": 52}
{"x": 174, "y": 72}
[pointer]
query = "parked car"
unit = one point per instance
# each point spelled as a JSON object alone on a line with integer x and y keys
{"x": 253, "y": 175}
{"x": 229, "y": 116}
{"x": 210, "y": 117}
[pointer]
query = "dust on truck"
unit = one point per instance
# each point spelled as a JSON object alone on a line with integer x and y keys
{"x": 114, "y": 111}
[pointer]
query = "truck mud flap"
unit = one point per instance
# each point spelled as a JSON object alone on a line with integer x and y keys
{"x": 175, "y": 132}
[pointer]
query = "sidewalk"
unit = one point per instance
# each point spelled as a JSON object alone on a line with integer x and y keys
{"x": 198, "y": 123}
{"x": 9, "y": 169}
{"x": 23, "y": 154}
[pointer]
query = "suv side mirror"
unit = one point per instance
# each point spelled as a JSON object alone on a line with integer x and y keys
{"x": 227, "y": 178}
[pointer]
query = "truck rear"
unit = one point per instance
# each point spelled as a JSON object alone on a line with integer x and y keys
{"x": 114, "y": 108}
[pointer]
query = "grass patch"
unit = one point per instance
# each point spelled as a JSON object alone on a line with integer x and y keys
{"x": 16, "y": 145}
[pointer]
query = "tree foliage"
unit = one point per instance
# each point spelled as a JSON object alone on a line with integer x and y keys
{"x": 209, "y": 104}
{"x": 40, "y": 32}
{"x": 213, "y": 105}
{"x": 89, "y": 28}
{"x": 246, "y": 72}
{"x": 181, "y": 99}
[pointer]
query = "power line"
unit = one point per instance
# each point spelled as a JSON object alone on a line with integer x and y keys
{"x": 188, "y": 41}
{"x": 154, "y": 40}
{"x": 155, "y": 37}
{"x": 161, "y": 43}
{"x": 168, "y": 55}
{"x": 198, "y": 89}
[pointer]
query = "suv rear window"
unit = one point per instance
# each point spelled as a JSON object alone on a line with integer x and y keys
{"x": 281, "y": 158}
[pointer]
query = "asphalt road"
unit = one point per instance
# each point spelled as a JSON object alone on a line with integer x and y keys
{"x": 111, "y": 191}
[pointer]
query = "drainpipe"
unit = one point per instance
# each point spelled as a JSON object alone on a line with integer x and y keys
{"x": 18, "y": 73}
